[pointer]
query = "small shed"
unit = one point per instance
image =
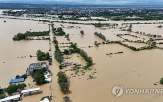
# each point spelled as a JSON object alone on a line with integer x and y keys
{"x": 17, "y": 80}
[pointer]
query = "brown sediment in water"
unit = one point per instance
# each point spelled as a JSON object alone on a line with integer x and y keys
{"x": 140, "y": 69}
{"x": 137, "y": 45}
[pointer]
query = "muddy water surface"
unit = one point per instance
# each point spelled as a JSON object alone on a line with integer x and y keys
{"x": 132, "y": 69}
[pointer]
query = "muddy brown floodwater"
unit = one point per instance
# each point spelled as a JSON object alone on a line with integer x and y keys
{"x": 132, "y": 69}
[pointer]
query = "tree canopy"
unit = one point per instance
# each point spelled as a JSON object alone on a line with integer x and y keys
{"x": 23, "y": 36}
{"x": 39, "y": 77}
{"x": 13, "y": 88}
{"x": 63, "y": 82}
{"x": 82, "y": 32}
{"x": 42, "y": 56}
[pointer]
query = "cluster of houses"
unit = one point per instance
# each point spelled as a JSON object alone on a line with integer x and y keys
{"x": 65, "y": 64}
{"x": 27, "y": 92}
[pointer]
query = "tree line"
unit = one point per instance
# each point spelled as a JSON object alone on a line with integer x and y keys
{"x": 75, "y": 49}
{"x": 14, "y": 88}
{"x": 55, "y": 40}
{"x": 100, "y": 36}
{"x": 63, "y": 82}
{"x": 23, "y": 36}
{"x": 58, "y": 54}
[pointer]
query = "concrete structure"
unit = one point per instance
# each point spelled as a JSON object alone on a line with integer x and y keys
{"x": 36, "y": 66}
{"x": 30, "y": 90}
{"x": 11, "y": 98}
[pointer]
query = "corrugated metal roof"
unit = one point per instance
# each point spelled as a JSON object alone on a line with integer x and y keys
{"x": 30, "y": 90}
{"x": 17, "y": 80}
{"x": 7, "y": 99}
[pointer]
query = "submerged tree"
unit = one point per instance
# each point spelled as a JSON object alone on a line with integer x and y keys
{"x": 41, "y": 56}
{"x": 39, "y": 77}
{"x": 66, "y": 99}
{"x": 100, "y": 35}
{"x": 161, "y": 81}
{"x": 130, "y": 28}
{"x": 63, "y": 82}
{"x": 82, "y": 32}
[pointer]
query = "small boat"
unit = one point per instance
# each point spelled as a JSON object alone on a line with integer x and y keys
{"x": 90, "y": 76}
{"x": 4, "y": 21}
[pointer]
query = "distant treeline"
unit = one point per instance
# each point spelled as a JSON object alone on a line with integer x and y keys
{"x": 23, "y": 36}
{"x": 129, "y": 17}
{"x": 104, "y": 24}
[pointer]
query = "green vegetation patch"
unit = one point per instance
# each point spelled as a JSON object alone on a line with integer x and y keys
{"x": 39, "y": 77}
{"x": 100, "y": 36}
{"x": 67, "y": 36}
{"x": 55, "y": 40}
{"x": 2, "y": 93}
{"x": 21, "y": 36}
{"x": 42, "y": 56}
{"x": 58, "y": 31}
{"x": 22, "y": 76}
{"x": 63, "y": 82}
{"x": 14, "y": 88}
{"x": 66, "y": 99}
{"x": 58, "y": 54}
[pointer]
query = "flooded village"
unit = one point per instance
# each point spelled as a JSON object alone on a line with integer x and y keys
{"x": 54, "y": 60}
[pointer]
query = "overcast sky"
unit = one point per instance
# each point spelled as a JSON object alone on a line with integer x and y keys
{"x": 93, "y": 1}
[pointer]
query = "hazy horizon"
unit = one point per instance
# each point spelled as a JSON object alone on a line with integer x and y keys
{"x": 106, "y": 2}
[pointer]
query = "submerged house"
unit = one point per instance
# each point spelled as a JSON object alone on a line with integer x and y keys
{"x": 36, "y": 66}
{"x": 64, "y": 64}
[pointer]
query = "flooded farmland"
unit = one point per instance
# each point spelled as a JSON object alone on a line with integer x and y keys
{"x": 132, "y": 69}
